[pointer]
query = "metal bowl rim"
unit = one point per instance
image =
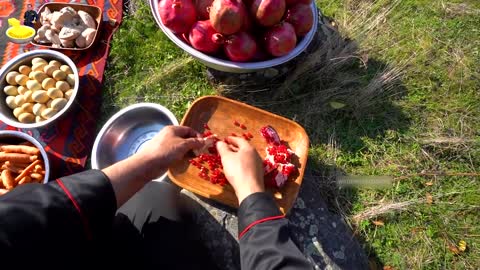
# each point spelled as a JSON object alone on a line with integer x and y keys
{"x": 37, "y": 144}
{"x": 108, "y": 124}
{"x": 237, "y": 67}
{"x": 6, "y": 68}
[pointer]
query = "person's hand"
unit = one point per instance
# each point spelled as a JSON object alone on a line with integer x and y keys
{"x": 242, "y": 166}
{"x": 169, "y": 145}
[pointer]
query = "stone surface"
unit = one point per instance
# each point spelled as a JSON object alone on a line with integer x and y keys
{"x": 323, "y": 237}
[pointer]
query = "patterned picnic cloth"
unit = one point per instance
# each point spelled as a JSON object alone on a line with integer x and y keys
{"x": 69, "y": 141}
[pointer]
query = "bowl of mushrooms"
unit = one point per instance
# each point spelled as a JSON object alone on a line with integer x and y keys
{"x": 38, "y": 87}
{"x": 67, "y": 26}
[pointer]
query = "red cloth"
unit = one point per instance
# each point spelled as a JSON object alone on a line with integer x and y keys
{"x": 69, "y": 141}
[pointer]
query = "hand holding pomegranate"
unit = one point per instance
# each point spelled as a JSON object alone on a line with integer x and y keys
{"x": 242, "y": 166}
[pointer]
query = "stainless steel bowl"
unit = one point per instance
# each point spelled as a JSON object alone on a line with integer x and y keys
{"x": 6, "y": 114}
{"x": 236, "y": 67}
{"x": 126, "y": 132}
{"x": 15, "y": 137}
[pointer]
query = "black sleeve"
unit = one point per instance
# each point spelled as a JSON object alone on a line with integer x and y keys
{"x": 63, "y": 214}
{"x": 265, "y": 241}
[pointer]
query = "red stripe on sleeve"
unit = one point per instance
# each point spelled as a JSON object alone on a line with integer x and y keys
{"x": 258, "y": 222}
{"x": 77, "y": 206}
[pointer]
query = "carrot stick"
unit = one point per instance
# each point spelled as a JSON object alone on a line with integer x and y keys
{"x": 11, "y": 168}
{"x": 20, "y": 149}
{"x": 3, "y": 191}
{"x": 7, "y": 179}
{"x": 37, "y": 177}
{"x": 17, "y": 158}
{"x": 24, "y": 180}
{"x": 27, "y": 170}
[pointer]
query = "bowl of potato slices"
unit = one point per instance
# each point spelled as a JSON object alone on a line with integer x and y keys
{"x": 22, "y": 160}
{"x": 38, "y": 87}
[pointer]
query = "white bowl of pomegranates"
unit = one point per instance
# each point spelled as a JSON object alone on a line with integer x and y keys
{"x": 238, "y": 35}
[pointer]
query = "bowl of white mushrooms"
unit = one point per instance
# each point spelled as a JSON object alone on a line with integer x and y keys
{"x": 67, "y": 26}
{"x": 38, "y": 87}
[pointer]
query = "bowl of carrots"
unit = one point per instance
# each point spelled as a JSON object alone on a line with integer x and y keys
{"x": 22, "y": 160}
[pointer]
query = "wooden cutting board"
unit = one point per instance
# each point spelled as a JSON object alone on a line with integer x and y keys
{"x": 220, "y": 113}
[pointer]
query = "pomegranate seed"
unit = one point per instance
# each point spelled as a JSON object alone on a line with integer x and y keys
{"x": 242, "y": 126}
{"x": 236, "y": 123}
{"x": 205, "y": 126}
{"x": 249, "y": 135}
{"x": 233, "y": 134}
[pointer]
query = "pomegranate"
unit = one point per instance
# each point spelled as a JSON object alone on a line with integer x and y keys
{"x": 227, "y": 16}
{"x": 202, "y": 7}
{"x": 294, "y": 2}
{"x": 280, "y": 39}
{"x": 268, "y": 12}
{"x": 301, "y": 18}
{"x": 203, "y": 37}
{"x": 240, "y": 47}
{"x": 270, "y": 135}
{"x": 247, "y": 24}
{"x": 177, "y": 15}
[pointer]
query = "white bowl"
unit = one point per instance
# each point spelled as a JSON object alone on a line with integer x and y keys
{"x": 6, "y": 114}
{"x": 236, "y": 67}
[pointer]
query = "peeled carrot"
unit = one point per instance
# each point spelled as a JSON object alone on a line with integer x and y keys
{"x": 20, "y": 149}
{"x": 17, "y": 158}
{"x": 25, "y": 180}
{"x": 37, "y": 177}
{"x": 11, "y": 168}
{"x": 7, "y": 179}
{"x": 27, "y": 170}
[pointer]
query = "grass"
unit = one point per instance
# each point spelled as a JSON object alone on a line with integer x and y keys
{"x": 408, "y": 80}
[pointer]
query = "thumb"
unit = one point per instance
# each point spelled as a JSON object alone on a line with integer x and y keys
{"x": 192, "y": 143}
{"x": 222, "y": 148}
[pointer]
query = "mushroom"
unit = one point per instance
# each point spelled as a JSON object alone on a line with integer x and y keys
{"x": 81, "y": 41}
{"x": 44, "y": 17}
{"x": 69, "y": 32}
{"x": 89, "y": 35}
{"x": 41, "y": 40}
{"x": 87, "y": 19}
{"x": 59, "y": 19}
{"x": 52, "y": 36}
{"x": 41, "y": 31}
{"x": 68, "y": 10}
{"x": 67, "y": 43}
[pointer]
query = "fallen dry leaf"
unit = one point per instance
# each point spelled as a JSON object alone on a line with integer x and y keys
{"x": 429, "y": 198}
{"x": 378, "y": 222}
{"x": 453, "y": 249}
{"x": 462, "y": 245}
{"x": 429, "y": 184}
